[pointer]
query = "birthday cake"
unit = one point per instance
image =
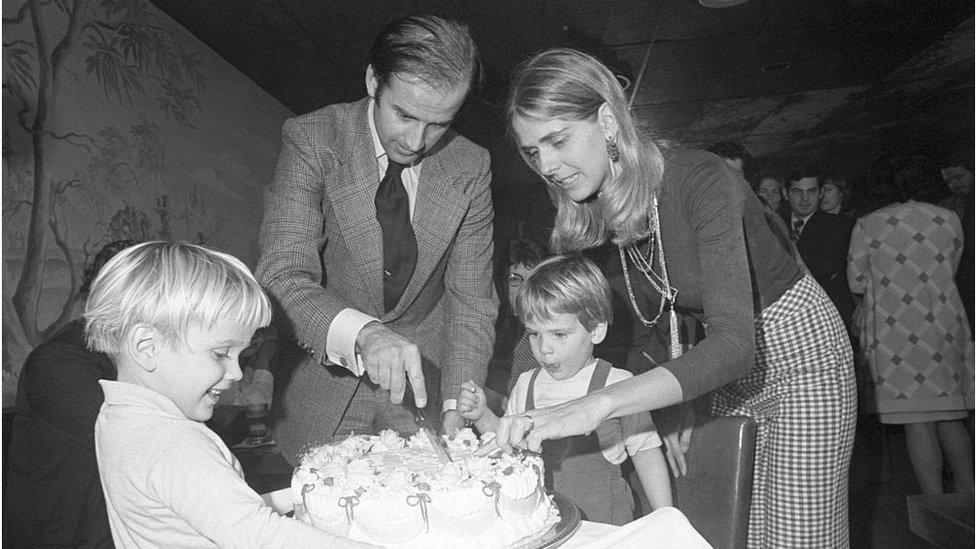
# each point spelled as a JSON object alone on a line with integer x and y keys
{"x": 393, "y": 491}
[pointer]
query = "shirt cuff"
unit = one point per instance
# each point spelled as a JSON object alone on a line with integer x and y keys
{"x": 449, "y": 404}
{"x": 340, "y": 342}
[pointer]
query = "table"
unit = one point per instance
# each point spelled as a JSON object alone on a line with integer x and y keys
{"x": 945, "y": 520}
{"x": 666, "y": 528}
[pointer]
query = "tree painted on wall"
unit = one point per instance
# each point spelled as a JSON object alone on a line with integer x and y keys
{"x": 129, "y": 56}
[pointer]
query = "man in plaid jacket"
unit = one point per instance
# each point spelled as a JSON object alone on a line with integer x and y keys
{"x": 322, "y": 246}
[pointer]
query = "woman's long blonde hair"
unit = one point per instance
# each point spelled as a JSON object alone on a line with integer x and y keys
{"x": 568, "y": 84}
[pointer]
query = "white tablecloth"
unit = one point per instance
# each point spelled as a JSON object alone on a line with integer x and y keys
{"x": 666, "y": 528}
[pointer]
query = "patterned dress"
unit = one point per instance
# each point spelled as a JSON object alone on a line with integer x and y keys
{"x": 914, "y": 332}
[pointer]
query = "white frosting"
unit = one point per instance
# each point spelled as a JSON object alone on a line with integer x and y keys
{"x": 383, "y": 489}
{"x": 388, "y": 440}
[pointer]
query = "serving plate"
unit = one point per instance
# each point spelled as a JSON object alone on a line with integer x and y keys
{"x": 569, "y": 523}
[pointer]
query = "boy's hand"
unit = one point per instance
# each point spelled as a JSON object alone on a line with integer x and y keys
{"x": 451, "y": 422}
{"x": 472, "y": 402}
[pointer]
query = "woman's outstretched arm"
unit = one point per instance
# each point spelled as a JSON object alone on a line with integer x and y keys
{"x": 651, "y": 390}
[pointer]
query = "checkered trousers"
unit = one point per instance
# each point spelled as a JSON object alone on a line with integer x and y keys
{"x": 801, "y": 392}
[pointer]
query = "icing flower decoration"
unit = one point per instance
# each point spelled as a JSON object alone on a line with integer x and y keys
{"x": 464, "y": 441}
{"x": 451, "y": 475}
{"x": 419, "y": 440}
{"x": 388, "y": 440}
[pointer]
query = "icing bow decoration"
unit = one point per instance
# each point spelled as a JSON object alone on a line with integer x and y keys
{"x": 305, "y": 489}
{"x": 348, "y": 502}
{"x": 542, "y": 482}
{"x": 423, "y": 500}
{"x": 493, "y": 490}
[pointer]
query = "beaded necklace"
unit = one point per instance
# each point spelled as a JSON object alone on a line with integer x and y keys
{"x": 645, "y": 266}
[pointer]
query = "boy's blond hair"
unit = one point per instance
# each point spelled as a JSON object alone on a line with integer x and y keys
{"x": 565, "y": 284}
{"x": 170, "y": 286}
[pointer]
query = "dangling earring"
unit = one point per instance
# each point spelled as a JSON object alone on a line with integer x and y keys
{"x": 612, "y": 150}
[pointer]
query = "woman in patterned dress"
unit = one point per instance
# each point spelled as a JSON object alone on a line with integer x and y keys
{"x": 692, "y": 236}
{"x": 914, "y": 334}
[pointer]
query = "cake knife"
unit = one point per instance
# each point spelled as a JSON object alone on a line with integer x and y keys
{"x": 440, "y": 447}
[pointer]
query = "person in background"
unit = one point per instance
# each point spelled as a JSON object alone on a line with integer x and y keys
{"x": 957, "y": 172}
{"x": 523, "y": 252}
{"x": 53, "y": 496}
{"x": 903, "y": 259}
{"x": 173, "y": 318}
{"x": 834, "y": 196}
{"x": 383, "y": 280}
{"x": 769, "y": 187}
{"x": 565, "y": 305}
{"x": 692, "y": 238}
{"x": 821, "y": 238}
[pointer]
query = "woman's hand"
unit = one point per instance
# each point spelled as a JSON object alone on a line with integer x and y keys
{"x": 528, "y": 430}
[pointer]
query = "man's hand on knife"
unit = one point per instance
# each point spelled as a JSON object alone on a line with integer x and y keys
{"x": 391, "y": 361}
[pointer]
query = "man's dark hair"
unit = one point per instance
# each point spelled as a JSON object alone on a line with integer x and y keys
{"x": 525, "y": 250}
{"x": 438, "y": 51}
{"x": 908, "y": 177}
{"x": 802, "y": 173}
{"x": 107, "y": 252}
{"x": 958, "y": 157}
{"x": 730, "y": 150}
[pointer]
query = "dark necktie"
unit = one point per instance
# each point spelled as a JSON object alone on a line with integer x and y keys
{"x": 399, "y": 242}
{"x": 797, "y": 228}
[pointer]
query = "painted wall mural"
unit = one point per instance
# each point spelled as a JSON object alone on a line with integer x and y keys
{"x": 117, "y": 124}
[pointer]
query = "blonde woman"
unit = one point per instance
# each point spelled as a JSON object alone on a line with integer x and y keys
{"x": 692, "y": 237}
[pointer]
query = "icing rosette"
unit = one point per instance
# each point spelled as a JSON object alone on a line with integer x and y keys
{"x": 481, "y": 467}
{"x": 451, "y": 475}
{"x": 518, "y": 482}
{"x": 388, "y": 440}
{"x": 397, "y": 480}
{"x": 303, "y": 477}
{"x": 464, "y": 441}
{"x": 419, "y": 440}
{"x": 354, "y": 445}
{"x": 334, "y": 470}
{"x": 359, "y": 474}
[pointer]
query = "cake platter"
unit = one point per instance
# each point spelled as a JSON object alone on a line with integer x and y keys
{"x": 569, "y": 523}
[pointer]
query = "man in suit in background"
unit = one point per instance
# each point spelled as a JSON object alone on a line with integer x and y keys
{"x": 821, "y": 238}
{"x": 377, "y": 244}
{"x": 52, "y": 490}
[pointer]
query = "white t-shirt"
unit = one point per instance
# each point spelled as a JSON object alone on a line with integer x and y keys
{"x": 171, "y": 482}
{"x": 619, "y": 437}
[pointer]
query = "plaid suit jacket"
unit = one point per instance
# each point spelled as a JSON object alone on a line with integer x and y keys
{"x": 321, "y": 251}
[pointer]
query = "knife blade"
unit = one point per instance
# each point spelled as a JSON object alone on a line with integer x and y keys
{"x": 423, "y": 426}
